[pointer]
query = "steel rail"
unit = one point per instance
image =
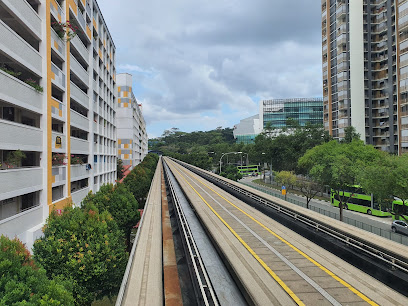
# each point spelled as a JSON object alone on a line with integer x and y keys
{"x": 371, "y": 250}
{"x": 205, "y": 287}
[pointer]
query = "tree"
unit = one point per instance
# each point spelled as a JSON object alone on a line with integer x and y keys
{"x": 119, "y": 169}
{"x": 119, "y": 202}
{"x": 22, "y": 282}
{"x": 385, "y": 179}
{"x": 286, "y": 178}
{"x": 308, "y": 188}
{"x": 85, "y": 247}
{"x": 350, "y": 134}
{"x": 231, "y": 172}
{"x": 338, "y": 165}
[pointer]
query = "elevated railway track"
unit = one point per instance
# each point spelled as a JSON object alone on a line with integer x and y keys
{"x": 235, "y": 245}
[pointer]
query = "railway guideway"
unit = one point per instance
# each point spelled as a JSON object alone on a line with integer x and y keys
{"x": 273, "y": 265}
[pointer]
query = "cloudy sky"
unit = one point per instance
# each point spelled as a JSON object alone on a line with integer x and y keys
{"x": 200, "y": 64}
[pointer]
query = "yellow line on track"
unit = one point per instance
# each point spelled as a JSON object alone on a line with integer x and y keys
{"x": 264, "y": 265}
{"x": 344, "y": 283}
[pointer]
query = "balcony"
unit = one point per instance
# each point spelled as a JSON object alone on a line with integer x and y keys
{"x": 79, "y": 146}
{"x": 24, "y": 221}
{"x": 18, "y": 49}
{"x": 79, "y": 46}
{"x": 79, "y": 121}
{"x": 58, "y": 78}
{"x": 57, "y": 109}
{"x": 58, "y": 45}
{"x": 16, "y": 182}
{"x": 19, "y": 93}
{"x": 26, "y": 14}
{"x": 79, "y": 195}
{"x": 56, "y": 10}
{"x": 78, "y": 172}
{"x": 15, "y": 136}
{"x": 79, "y": 96}
{"x": 59, "y": 175}
{"x": 79, "y": 71}
{"x": 56, "y": 147}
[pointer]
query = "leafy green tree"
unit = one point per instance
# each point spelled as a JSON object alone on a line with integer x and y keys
{"x": 287, "y": 178}
{"x": 338, "y": 165}
{"x": 119, "y": 202}
{"x": 385, "y": 179}
{"x": 85, "y": 247}
{"x": 119, "y": 169}
{"x": 138, "y": 183}
{"x": 350, "y": 134}
{"x": 231, "y": 172}
{"x": 22, "y": 282}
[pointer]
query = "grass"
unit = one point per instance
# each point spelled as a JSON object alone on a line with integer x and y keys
{"x": 104, "y": 302}
{"x": 288, "y": 190}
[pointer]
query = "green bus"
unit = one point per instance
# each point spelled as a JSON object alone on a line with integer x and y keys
{"x": 400, "y": 211}
{"x": 248, "y": 170}
{"x": 359, "y": 201}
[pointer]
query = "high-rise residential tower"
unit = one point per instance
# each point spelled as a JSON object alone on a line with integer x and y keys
{"x": 365, "y": 70}
{"x": 57, "y": 109}
{"x": 131, "y": 126}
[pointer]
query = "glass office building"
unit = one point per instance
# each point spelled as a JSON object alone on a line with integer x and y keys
{"x": 303, "y": 111}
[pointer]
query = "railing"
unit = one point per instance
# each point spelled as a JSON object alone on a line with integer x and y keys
{"x": 59, "y": 76}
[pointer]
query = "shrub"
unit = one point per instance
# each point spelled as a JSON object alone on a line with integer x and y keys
{"x": 85, "y": 247}
{"x": 23, "y": 283}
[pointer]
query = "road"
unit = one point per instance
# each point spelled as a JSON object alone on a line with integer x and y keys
{"x": 379, "y": 222}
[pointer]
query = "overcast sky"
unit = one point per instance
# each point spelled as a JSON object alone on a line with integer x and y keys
{"x": 200, "y": 64}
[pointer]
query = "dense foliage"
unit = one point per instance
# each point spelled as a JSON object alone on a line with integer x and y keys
{"x": 119, "y": 202}
{"x": 119, "y": 169}
{"x": 22, "y": 282}
{"x": 139, "y": 179}
{"x": 85, "y": 247}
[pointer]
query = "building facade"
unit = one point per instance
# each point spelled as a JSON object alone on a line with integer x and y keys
{"x": 275, "y": 113}
{"x": 131, "y": 126}
{"x": 365, "y": 70}
{"x": 247, "y": 129}
{"x": 57, "y": 109}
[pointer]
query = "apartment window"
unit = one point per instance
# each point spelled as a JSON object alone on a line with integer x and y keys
{"x": 57, "y": 193}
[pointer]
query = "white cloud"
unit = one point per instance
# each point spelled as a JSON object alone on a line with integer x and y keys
{"x": 197, "y": 64}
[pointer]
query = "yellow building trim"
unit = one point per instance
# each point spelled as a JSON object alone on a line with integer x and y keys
{"x": 126, "y": 145}
{"x": 59, "y": 17}
{"x": 130, "y": 88}
{"x": 126, "y": 156}
{"x": 100, "y": 53}
{"x": 53, "y": 179}
{"x": 56, "y": 44}
{"x": 119, "y": 100}
{"x": 52, "y": 75}
{"x": 60, "y": 204}
{"x": 88, "y": 32}
{"x": 68, "y": 102}
{"x": 94, "y": 24}
{"x": 119, "y": 151}
{"x": 48, "y": 156}
{"x": 118, "y": 88}
{"x": 125, "y": 104}
{"x": 60, "y": 113}
{"x": 74, "y": 7}
{"x": 54, "y": 4}
{"x": 104, "y": 43}
{"x": 125, "y": 94}
{"x": 54, "y": 103}
{"x": 130, "y": 140}
{"x": 83, "y": 1}
{"x": 119, "y": 141}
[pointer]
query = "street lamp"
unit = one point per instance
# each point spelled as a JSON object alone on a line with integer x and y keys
{"x": 227, "y": 156}
{"x": 264, "y": 176}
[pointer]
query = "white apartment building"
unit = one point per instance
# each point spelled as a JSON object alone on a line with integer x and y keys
{"x": 57, "y": 107}
{"x": 131, "y": 126}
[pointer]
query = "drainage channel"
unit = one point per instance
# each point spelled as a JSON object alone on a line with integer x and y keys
{"x": 212, "y": 283}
